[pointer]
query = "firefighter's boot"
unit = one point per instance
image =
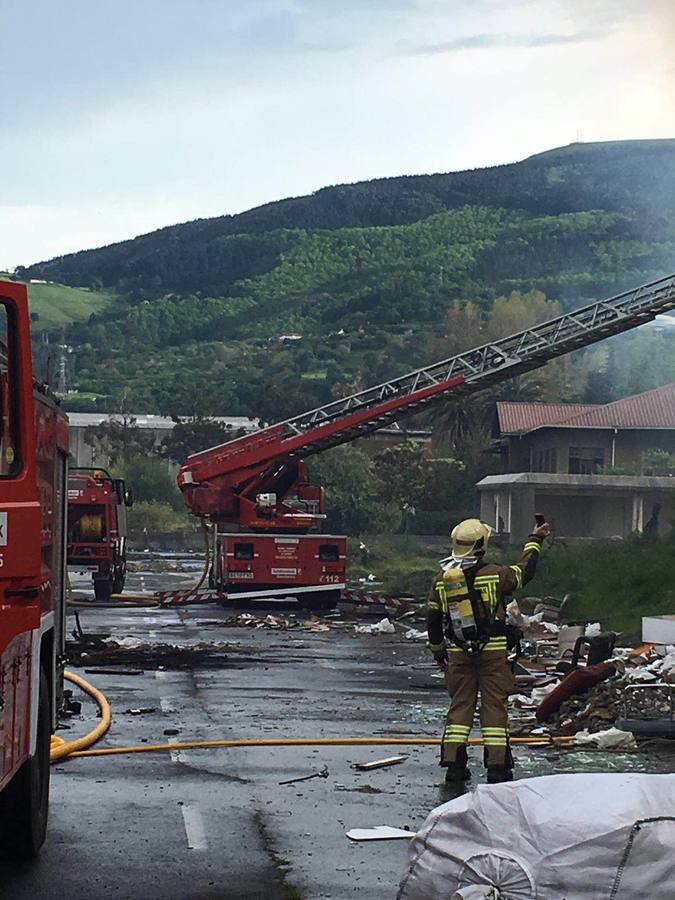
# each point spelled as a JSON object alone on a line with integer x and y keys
{"x": 458, "y": 769}
{"x": 498, "y": 774}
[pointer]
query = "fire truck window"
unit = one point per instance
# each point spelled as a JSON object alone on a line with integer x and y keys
{"x": 243, "y": 551}
{"x": 10, "y": 463}
{"x": 329, "y": 552}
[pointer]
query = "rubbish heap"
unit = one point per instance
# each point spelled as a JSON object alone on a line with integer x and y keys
{"x": 572, "y": 694}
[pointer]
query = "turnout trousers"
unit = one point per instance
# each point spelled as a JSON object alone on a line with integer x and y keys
{"x": 488, "y": 673}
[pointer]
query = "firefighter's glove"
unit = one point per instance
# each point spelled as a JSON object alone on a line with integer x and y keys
{"x": 441, "y": 657}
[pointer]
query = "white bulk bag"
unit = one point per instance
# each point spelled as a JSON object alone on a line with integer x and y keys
{"x": 559, "y": 837}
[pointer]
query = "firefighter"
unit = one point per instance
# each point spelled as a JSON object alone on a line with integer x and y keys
{"x": 469, "y": 638}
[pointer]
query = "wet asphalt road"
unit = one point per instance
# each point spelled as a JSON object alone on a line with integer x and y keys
{"x": 216, "y": 823}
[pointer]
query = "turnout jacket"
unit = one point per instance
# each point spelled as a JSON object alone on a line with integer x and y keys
{"x": 493, "y": 582}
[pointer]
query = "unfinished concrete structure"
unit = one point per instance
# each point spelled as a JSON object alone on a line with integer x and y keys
{"x": 554, "y": 459}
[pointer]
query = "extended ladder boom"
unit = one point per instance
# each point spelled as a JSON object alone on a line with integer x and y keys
{"x": 344, "y": 420}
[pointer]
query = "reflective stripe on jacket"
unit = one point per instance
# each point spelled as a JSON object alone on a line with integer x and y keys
{"x": 494, "y": 583}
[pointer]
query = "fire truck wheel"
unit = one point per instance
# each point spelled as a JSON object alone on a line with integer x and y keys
{"x": 103, "y": 588}
{"x": 119, "y": 579}
{"x": 24, "y": 804}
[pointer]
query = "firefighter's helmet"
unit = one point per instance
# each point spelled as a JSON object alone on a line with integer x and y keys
{"x": 470, "y": 537}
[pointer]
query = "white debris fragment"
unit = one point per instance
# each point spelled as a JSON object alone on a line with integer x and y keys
{"x": 384, "y": 626}
{"x": 642, "y": 676}
{"x": 612, "y": 739}
{"x": 593, "y": 629}
{"x": 128, "y": 643}
{"x": 540, "y": 693}
{"x": 668, "y": 667}
{"x": 414, "y": 634}
{"x": 379, "y": 833}
{"x": 477, "y": 892}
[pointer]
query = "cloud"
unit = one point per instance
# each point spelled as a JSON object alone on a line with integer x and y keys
{"x": 495, "y": 41}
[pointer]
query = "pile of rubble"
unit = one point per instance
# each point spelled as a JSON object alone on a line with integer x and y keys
{"x": 278, "y": 622}
{"x": 92, "y": 650}
{"x": 636, "y": 691}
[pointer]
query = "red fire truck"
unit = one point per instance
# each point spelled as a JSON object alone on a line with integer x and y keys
{"x": 255, "y": 489}
{"x": 97, "y": 528}
{"x": 33, "y": 467}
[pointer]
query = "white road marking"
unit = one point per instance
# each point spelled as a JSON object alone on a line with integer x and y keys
{"x": 167, "y": 705}
{"x": 194, "y": 827}
{"x": 152, "y": 634}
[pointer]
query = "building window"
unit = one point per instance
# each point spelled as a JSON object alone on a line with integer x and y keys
{"x": 545, "y": 460}
{"x": 586, "y": 460}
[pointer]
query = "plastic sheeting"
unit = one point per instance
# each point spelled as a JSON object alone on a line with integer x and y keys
{"x": 559, "y": 837}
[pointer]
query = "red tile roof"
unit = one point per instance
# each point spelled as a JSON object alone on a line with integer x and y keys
{"x": 514, "y": 417}
{"x": 651, "y": 409}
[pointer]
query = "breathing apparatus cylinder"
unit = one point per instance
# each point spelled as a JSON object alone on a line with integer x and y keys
{"x": 462, "y": 622}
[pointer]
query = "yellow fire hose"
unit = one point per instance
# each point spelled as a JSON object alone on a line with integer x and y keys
{"x": 304, "y": 742}
{"x": 60, "y": 748}
{"x": 80, "y": 746}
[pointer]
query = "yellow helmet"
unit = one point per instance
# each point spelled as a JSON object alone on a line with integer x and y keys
{"x": 469, "y": 537}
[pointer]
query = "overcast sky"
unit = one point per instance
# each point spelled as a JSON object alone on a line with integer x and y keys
{"x": 119, "y": 118}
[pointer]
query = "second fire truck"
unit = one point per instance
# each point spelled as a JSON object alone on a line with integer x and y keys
{"x": 97, "y": 528}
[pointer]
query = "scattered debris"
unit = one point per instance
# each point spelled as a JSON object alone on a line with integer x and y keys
{"x": 362, "y": 789}
{"x": 414, "y": 634}
{"x": 384, "y": 626}
{"x": 99, "y": 670}
{"x": 574, "y": 683}
{"x": 611, "y": 739}
{"x": 280, "y": 622}
{"x": 126, "y": 643}
{"x": 248, "y": 620}
{"x": 324, "y": 773}
{"x": 380, "y": 833}
{"x": 380, "y": 763}
{"x": 121, "y": 651}
{"x": 635, "y": 690}
{"x": 141, "y": 711}
{"x": 171, "y": 732}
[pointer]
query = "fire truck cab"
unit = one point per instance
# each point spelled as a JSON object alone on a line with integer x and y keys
{"x": 33, "y": 475}
{"x": 97, "y": 528}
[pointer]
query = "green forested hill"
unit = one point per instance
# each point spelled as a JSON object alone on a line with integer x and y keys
{"x": 365, "y": 273}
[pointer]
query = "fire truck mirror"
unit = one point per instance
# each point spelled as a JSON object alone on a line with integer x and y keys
{"x": 10, "y": 461}
{"x": 125, "y": 494}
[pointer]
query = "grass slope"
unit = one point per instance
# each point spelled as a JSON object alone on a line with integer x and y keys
{"x": 56, "y": 305}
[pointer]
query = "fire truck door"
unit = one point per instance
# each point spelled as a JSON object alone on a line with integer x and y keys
{"x": 20, "y": 534}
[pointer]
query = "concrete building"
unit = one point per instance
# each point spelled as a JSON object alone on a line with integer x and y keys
{"x": 160, "y": 426}
{"x": 555, "y": 457}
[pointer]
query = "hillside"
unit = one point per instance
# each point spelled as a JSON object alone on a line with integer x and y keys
{"x": 365, "y": 273}
{"x": 213, "y": 254}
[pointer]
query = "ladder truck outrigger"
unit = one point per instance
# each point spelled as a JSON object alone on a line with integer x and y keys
{"x": 33, "y": 508}
{"x": 255, "y": 490}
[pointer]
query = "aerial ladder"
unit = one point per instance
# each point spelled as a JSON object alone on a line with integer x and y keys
{"x": 255, "y": 489}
